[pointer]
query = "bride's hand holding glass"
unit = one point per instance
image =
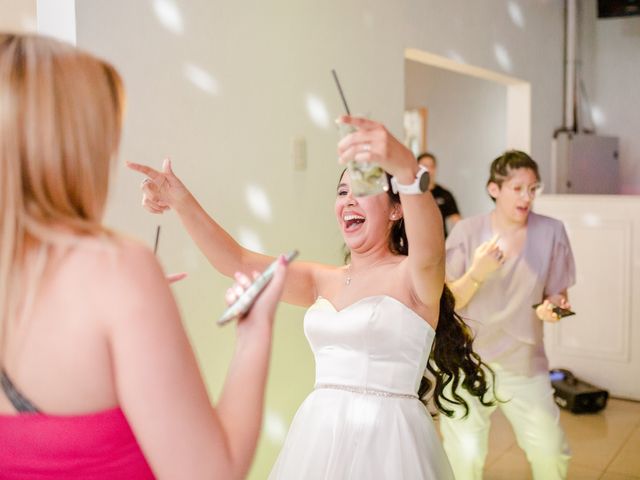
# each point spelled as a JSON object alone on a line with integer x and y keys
{"x": 372, "y": 143}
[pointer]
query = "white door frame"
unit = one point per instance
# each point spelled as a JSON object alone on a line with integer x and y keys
{"x": 518, "y": 128}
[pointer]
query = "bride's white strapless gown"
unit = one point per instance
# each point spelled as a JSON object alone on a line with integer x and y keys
{"x": 364, "y": 420}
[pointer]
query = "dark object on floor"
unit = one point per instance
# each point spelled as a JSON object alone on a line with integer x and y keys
{"x": 618, "y": 8}
{"x": 576, "y": 395}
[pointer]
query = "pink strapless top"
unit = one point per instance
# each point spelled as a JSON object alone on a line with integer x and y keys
{"x": 99, "y": 446}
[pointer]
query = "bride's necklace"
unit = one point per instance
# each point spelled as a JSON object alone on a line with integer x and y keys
{"x": 347, "y": 280}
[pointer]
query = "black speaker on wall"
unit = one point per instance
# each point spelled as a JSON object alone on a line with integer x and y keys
{"x": 618, "y": 8}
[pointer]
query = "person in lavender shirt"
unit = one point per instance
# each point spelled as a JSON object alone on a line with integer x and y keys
{"x": 498, "y": 265}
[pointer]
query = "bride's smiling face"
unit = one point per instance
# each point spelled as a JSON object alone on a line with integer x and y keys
{"x": 364, "y": 221}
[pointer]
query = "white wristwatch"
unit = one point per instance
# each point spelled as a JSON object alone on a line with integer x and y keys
{"x": 419, "y": 185}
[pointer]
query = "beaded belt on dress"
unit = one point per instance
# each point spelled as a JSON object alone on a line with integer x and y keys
{"x": 365, "y": 390}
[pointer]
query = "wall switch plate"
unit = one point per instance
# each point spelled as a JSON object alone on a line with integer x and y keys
{"x": 299, "y": 153}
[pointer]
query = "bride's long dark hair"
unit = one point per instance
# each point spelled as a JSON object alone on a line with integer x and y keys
{"x": 452, "y": 361}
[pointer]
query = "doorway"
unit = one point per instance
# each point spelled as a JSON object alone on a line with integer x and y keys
{"x": 474, "y": 114}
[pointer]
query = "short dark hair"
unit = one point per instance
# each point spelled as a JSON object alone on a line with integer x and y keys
{"x": 510, "y": 160}
{"x": 427, "y": 155}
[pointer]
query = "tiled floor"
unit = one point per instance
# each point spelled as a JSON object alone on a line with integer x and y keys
{"x": 605, "y": 445}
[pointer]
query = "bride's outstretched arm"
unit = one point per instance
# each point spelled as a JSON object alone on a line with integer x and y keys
{"x": 163, "y": 190}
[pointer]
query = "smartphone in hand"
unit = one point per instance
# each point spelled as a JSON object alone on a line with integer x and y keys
{"x": 244, "y": 302}
{"x": 561, "y": 312}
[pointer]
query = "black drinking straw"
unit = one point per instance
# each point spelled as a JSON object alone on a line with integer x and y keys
{"x": 344, "y": 100}
{"x": 155, "y": 244}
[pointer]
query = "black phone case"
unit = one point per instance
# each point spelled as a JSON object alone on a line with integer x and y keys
{"x": 561, "y": 312}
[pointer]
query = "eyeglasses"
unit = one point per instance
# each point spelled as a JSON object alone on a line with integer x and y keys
{"x": 524, "y": 191}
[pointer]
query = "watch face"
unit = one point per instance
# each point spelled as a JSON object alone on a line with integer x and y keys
{"x": 424, "y": 182}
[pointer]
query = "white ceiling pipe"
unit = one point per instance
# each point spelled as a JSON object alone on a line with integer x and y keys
{"x": 570, "y": 65}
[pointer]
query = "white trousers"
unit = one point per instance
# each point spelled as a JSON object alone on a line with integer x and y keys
{"x": 534, "y": 416}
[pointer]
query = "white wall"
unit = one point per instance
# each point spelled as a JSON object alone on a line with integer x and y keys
{"x": 611, "y": 72}
{"x": 466, "y": 128}
{"x": 601, "y": 343}
{"x": 520, "y": 38}
{"x": 57, "y": 18}
{"x": 265, "y": 61}
{"x": 17, "y": 15}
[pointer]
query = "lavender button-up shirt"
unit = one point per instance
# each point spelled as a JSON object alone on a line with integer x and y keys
{"x": 508, "y": 332}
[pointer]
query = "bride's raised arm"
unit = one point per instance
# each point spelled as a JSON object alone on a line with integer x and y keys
{"x": 163, "y": 190}
{"x": 423, "y": 222}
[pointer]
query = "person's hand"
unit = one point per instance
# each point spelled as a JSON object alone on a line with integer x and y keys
{"x": 263, "y": 309}
{"x": 545, "y": 311}
{"x": 175, "y": 277}
{"x": 161, "y": 190}
{"x": 487, "y": 258}
{"x": 372, "y": 143}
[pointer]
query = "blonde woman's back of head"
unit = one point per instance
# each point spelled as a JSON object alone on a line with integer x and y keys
{"x": 60, "y": 122}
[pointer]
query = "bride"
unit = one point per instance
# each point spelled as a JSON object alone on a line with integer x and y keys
{"x": 374, "y": 325}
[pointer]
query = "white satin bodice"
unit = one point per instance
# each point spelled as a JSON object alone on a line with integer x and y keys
{"x": 375, "y": 343}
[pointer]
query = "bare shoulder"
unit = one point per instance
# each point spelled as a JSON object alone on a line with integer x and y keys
{"x": 325, "y": 272}
{"x": 113, "y": 258}
{"x": 118, "y": 275}
{"x": 305, "y": 281}
{"x": 135, "y": 258}
{"x": 327, "y": 278}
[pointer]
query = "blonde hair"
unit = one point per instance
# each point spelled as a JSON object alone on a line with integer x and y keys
{"x": 60, "y": 122}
